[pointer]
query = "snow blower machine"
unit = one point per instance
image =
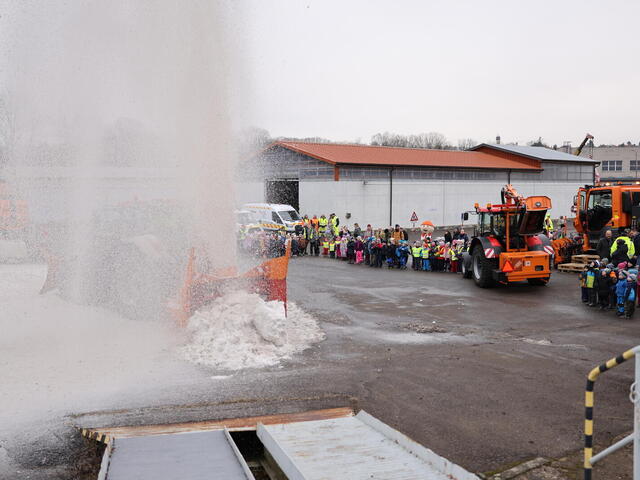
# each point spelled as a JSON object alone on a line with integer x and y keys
{"x": 507, "y": 245}
{"x": 138, "y": 259}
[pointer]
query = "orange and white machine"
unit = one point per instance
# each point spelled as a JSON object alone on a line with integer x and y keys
{"x": 507, "y": 245}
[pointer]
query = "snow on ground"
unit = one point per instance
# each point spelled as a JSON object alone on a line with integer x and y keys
{"x": 241, "y": 330}
{"x": 59, "y": 358}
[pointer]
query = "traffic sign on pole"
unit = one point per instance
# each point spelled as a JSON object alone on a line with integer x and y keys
{"x": 414, "y": 219}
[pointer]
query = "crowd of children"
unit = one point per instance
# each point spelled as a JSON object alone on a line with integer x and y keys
{"x": 388, "y": 247}
{"x": 376, "y": 251}
{"x": 611, "y": 287}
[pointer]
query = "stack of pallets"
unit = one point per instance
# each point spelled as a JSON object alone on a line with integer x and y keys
{"x": 578, "y": 263}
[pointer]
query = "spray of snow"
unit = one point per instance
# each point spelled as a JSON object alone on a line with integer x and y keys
{"x": 241, "y": 330}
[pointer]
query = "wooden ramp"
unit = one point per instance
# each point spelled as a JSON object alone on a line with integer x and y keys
{"x": 179, "y": 456}
{"x": 321, "y": 445}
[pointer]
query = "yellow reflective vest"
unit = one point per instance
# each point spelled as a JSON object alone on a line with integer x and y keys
{"x": 548, "y": 224}
{"x": 334, "y": 225}
{"x": 322, "y": 224}
{"x": 416, "y": 251}
{"x": 425, "y": 252}
{"x": 630, "y": 248}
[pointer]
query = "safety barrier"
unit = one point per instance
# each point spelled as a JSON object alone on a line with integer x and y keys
{"x": 589, "y": 458}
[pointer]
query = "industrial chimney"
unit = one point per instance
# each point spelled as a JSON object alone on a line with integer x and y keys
{"x": 498, "y": 139}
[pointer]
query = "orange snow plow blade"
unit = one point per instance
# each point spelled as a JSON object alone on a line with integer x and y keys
{"x": 268, "y": 279}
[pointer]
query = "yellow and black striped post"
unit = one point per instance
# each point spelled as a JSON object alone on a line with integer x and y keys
{"x": 588, "y": 403}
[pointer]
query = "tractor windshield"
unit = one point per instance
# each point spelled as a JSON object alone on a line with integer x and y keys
{"x": 598, "y": 209}
{"x": 484, "y": 223}
{"x": 498, "y": 225}
{"x": 532, "y": 222}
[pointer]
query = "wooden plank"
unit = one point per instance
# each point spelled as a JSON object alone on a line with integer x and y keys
{"x": 584, "y": 258}
{"x": 248, "y": 423}
{"x": 572, "y": 267}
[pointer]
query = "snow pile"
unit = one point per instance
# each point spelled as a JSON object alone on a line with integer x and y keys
{"x": 241, "y": 330}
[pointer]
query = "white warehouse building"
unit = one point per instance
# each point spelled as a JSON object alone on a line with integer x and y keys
{"x": 385, "y": 185}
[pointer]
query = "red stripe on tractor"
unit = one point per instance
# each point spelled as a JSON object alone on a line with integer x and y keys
{"x": 533, "y": 241}
{"x": 494, "y": 242}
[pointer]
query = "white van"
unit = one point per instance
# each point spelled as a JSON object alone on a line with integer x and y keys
{"x": 274, "y": 216}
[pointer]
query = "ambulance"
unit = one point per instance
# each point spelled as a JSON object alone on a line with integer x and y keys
{"x": 274, "y": 216}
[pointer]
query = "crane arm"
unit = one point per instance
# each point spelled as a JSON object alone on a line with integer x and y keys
{"x": 511, "y": 195}
{"x": 584, "y": 142}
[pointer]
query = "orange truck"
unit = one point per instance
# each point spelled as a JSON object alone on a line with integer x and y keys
{"x": 508, "y": 245}
{"x": 610, "y": 205}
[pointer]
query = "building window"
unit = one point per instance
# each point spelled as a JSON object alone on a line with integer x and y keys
{"x": 635, "y": 165}
{"x": 612, "y": 165}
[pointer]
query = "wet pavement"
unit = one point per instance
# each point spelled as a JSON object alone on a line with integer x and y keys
{"x": 484, "y": 377}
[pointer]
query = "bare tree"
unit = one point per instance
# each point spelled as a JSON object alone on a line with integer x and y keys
{"x": 433, "y": 140}
{"x": 7, "y": 131}
{"x": 251, "y": 140}
{"x": 537, "y": 143}
{"x": 466, "y": 143}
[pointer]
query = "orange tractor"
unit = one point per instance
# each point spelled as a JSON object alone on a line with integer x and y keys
{"x": 507, "y": 245}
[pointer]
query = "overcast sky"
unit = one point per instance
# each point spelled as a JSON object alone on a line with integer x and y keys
{"x": 346, "y": 69}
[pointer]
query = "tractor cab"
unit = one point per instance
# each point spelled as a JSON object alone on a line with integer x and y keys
{"x": 510, "y": 224}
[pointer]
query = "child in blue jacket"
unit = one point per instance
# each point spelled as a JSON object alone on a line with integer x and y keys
{"x": 621, "y": 292}
{"x": 630, "y": 296}
{"x": 403, "y": 254}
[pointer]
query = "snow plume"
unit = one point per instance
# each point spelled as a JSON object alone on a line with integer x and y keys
{"x": 241, "y": 330}
{"x": 115, "y": 102}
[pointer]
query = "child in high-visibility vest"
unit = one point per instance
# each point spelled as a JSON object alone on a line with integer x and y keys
{"x": 590, "y": 283}
{"x": 426, "y": 262}
{"x": 332, "y": 249}
{"x": 325, "y": 247}
{"x": 583, "y": 287}
{"x": 454, "y": 258}
{"x": 416, "y": 253}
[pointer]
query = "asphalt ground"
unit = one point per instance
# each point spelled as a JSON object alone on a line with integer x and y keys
{"x": 496, "y": 377}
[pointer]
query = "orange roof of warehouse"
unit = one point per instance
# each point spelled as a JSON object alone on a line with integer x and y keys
{"x": 344, "y": 154}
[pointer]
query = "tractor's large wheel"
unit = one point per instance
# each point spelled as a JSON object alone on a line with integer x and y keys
{"x": 539, "y": 282}
{"x": 481, "y": 268}
{"x": 466, "y": 270}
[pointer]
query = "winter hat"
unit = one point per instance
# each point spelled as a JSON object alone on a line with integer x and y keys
{"x": 607, "y": 271}
{"x": 611, "y": 266}
{"x": 632, "y": 278}
{"x": 622, "y": 265}
{"x": 605, "y": 261}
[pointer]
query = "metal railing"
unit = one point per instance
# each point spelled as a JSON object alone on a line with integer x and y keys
{"x": 589, "y": 458}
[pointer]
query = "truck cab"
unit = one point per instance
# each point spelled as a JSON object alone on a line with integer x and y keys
{"x": 614, "y": 206}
